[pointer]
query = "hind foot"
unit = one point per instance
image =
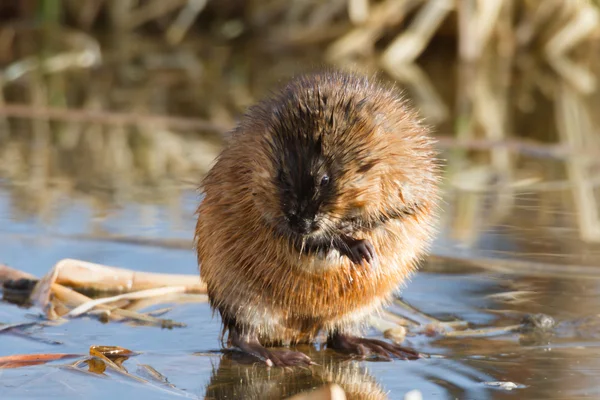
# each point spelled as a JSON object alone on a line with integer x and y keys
{"x": 280, "y": 358}
{"x": 364, "y": 347}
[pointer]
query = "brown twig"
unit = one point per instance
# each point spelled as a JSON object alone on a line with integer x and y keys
{"x": 109, "y": 117}
{"x": 529, "y": 147}
{"x": 10, "y": 274}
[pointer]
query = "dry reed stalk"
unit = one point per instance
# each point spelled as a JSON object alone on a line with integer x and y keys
{"x": 26, "y": 360}
{"x": 531, "y": 148}
{"x": 176, "y": 298}
{"x": 358, "y": 11}
{"x": 119, "y": 12}
{"x": 65, "y": 299}
{"x": 513, "y": 297}
{"x": 85, "y": 16}
{"x": 477, "y": 20}
{"x": 584, "y": 23}
{"x": 98, "y": 277}
{"x": 485, "y": 332}
{"x": 411, "y": 43}
{"x": 39, "y": 154}
{"x": 425, "y": 96}
{"x": 492, "y": 99}
{"x": 184, "y": 20}
{"x": 555, "y": 186}
{"x": 576, "y": 129}
{"x": 361, "y": 39}
{"x": 11, "y": 274}
{"x": 91, "y": 114}
{"x": 5, "y": 130}
{"x": 136, "y": 295}
{"x": 151, "y": 10}
{"x": 49, "y": 293}
{"x": 417, "y": 320}
{"x": 109, "y": 117}
{"x": 524, "y": 267}
{"x": 522, "y": 186}
{"x": 154, "y": 375}
{"x": 465, "y": 220}
{"x": 482, "y": 98}
{"x": 73, "y": 300}
{"x": 85, "y": 54}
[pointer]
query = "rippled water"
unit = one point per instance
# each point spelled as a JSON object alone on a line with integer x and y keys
{"x": 563, "y": 364}
{"x": 93, "y": 190}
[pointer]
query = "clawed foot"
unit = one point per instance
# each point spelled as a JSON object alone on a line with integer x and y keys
{"x": 358, "y": 250}
{"x": 278, "y": 358}
{"x": 364, "y": 347}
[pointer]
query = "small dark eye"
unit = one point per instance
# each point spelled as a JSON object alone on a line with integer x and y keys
{"x": 325, "y": 180}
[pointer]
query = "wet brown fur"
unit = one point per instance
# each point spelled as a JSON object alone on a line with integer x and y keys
{"x": 387, "y": 183}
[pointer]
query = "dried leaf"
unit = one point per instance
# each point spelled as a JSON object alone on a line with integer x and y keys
{"x": 24, "y": 360}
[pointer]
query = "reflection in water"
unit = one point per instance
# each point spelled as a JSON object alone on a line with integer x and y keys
{"x": 236, "y": 379}
{"x": 483, "y": 299}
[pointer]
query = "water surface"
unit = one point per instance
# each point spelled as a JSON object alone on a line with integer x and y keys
{"x": 63, "y": 180}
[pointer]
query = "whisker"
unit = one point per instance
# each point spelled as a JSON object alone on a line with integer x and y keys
{"x": 302, "y": 247}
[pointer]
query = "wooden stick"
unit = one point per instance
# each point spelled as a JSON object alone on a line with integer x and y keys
{"x": 83, "y": 274}
{"x": 10, "y": 274}
{"x": 74, "y": 299}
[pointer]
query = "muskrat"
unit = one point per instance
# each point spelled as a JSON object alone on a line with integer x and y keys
{"x": 315, "y": 212}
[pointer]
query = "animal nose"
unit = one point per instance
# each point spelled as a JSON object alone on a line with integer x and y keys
{"x": 301, "y": 225}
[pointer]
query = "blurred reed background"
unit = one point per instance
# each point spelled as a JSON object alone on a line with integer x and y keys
{"x": 127, "y": 100}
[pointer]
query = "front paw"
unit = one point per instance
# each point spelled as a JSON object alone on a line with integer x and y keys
{"x": 359, "y": 250}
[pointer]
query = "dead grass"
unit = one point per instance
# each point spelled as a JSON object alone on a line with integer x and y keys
{"x": 79, "y": 78}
